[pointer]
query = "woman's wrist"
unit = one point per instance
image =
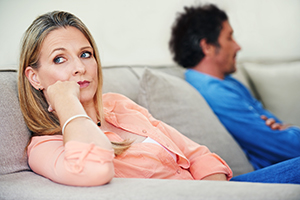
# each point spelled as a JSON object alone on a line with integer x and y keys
{"x": 67, "y": 108}
{"x": 72, "y": 118}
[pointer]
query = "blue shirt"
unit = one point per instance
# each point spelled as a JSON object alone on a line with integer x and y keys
{"x": 241, "y": 114}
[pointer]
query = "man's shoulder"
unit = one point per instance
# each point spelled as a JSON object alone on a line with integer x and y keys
{"x": 212, "y": 88}
{"x": 199, "y": 78}
{"x": 204, "y": 82}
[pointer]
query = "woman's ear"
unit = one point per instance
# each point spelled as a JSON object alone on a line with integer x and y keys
{"x": 32, "y": 76}
{"x": 208, "y": 49}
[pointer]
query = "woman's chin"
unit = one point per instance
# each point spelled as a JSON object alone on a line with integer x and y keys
{"x": 86, "y": 100}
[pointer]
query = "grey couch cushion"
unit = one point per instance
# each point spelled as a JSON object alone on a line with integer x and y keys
{"x": 277, "y": 85}
{"x": 14, "y": 134}
{"x": 29, "y": 186}
{"x": 120, "y": 79}
{"x": 175, "y": 102}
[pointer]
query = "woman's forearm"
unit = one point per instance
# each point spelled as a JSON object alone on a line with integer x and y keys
{"x": 80, "y": 129}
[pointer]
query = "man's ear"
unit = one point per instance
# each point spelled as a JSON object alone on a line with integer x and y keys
{"x": 32, "y": 76}
{"x": 208, "y": 49}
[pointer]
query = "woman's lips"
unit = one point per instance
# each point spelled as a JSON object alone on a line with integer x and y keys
{"x": 83, "y": 84}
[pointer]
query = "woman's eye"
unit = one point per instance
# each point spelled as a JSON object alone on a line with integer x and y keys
{"x": 58, "y": 60}
{"x": 86, "y": 55}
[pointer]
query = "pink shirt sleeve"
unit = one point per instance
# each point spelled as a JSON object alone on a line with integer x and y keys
{"x": 76, "y": 163}
{"x": 203, "y": 163}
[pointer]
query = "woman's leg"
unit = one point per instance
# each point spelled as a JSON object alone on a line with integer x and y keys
{"x": 284, "y": 172}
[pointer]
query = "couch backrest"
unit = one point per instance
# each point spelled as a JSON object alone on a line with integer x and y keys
{"x": 125, "y": 79}
{"x": 14, "y": 134}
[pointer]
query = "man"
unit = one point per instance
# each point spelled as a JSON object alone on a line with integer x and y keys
{"x": 202, "y": 41}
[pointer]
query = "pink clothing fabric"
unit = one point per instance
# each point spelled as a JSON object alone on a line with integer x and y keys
{"x": 88, "y": 165}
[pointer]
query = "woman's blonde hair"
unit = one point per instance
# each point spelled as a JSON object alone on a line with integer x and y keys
{"x": 32, "y": 102}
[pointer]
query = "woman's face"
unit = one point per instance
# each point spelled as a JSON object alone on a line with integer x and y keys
{"x": 67, "y": 55}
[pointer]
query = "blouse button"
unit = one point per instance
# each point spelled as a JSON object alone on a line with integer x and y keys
{"x": 178, "y": 171}
{"x": 144, "y": 131}
{"x": 77, "y": 168}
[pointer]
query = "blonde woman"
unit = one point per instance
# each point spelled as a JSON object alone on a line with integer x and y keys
{"x": 83, "y": 138}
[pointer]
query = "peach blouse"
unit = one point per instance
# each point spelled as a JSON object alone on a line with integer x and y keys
{"x": 83, "y": 164}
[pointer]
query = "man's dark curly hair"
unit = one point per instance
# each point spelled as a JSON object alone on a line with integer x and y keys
{"x": 190, "y": 27}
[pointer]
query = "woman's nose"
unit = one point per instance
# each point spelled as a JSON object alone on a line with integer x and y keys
{"x": 79, "y": 67}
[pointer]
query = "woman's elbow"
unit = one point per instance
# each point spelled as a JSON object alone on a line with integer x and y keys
{"x": 90, "y": 175}
{"x": 103, "y": 176}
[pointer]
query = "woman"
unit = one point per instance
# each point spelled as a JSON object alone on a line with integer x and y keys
{"x": 82, "y": 138}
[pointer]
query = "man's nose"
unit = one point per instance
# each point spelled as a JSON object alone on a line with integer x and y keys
{"x": 238, "y": 47}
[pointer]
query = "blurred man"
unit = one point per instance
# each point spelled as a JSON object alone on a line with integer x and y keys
{"x": 202, "y": 41}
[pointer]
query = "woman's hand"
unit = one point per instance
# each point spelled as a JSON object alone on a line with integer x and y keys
{"x": 64, "y": 98}
{"x": 60, "y": 91}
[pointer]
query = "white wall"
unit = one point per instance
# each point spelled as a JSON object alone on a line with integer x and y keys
{"x": 138, "y": 31}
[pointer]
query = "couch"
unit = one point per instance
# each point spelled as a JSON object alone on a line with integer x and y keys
{"x": 162, "y": 90}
